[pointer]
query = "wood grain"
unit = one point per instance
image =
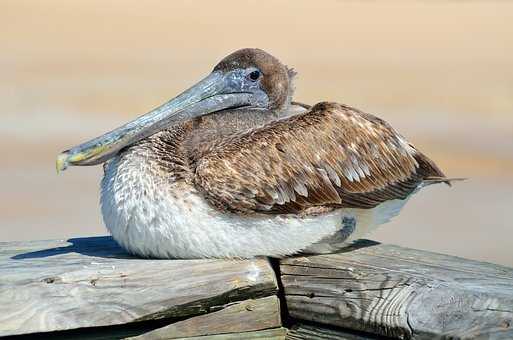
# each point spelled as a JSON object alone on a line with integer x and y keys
{"x": 244, "y": 316}
{"x": 401, "y": 293}
{"x": 81, "y": 285}
{"x": 90, "y": 282}
{"x": 319, "y": 332}
{"x": 266, "y": 334}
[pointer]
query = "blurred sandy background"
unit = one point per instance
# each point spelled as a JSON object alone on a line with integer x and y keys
{"x": 440, "y": 71}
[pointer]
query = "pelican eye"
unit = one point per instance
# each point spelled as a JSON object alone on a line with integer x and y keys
{"x": 253, "y": 76}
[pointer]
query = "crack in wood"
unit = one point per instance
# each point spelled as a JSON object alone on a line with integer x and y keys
{"x": 204, "y": 306}
{"x": 493, "y": 310}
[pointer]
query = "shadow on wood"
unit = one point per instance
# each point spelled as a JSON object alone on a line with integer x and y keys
{"x": 99, "y": 246}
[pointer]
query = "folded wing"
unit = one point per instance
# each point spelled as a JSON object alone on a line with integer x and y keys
{"x": 331, "y": 156}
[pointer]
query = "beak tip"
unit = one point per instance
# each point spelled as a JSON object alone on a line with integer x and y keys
{"x": 62, "y": 162}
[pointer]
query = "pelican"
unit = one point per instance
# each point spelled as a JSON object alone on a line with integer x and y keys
{"x": 233, "y": 168}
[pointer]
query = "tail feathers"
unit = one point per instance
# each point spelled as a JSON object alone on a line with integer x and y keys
{"x": 431, "y": 173}
{"x": 434, "y": 180}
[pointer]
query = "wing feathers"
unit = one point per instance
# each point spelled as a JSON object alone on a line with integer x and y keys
{"x": 329, "y": 156}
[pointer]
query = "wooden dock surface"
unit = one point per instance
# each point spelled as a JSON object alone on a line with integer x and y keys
{"x": 89, "y": 288}
{"x": 401, "y": 293}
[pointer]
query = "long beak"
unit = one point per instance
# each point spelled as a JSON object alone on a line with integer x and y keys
{"x": 208, "y": 95}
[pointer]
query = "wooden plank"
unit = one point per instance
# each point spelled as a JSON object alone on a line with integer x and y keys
{"x": 267, "y": 334}
{"x": 402, "y": 293}
{"x": 318, "y": 332}
{"x": 90, "y": 282}
{"x": 244, "y": 316}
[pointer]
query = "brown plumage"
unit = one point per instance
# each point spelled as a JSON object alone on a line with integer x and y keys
{"x": 331, "y": 156}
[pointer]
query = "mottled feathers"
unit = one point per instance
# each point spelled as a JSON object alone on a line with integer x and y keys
{"x": 332, "y": 156}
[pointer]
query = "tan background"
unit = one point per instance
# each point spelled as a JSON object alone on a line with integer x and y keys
{"x": 440, "y": 71}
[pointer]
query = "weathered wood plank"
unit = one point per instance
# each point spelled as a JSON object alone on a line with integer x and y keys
{"x": 244, "y": 316}
{"x": 399, "y": 292}
{"x": 318, "y": 332}
{"x": 267, "y": 334}
{"x": 90, "y": 282}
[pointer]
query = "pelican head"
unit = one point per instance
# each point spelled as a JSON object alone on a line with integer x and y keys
{"x": 249, "y": 78}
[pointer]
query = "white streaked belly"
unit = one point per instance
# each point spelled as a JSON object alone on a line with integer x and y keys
{"x": 155, "y": 218}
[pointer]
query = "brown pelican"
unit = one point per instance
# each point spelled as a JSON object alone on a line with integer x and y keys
{"x": 233, "y": 168}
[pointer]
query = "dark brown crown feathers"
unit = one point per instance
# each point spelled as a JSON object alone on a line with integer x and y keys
{"x": 276, "y": 76}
